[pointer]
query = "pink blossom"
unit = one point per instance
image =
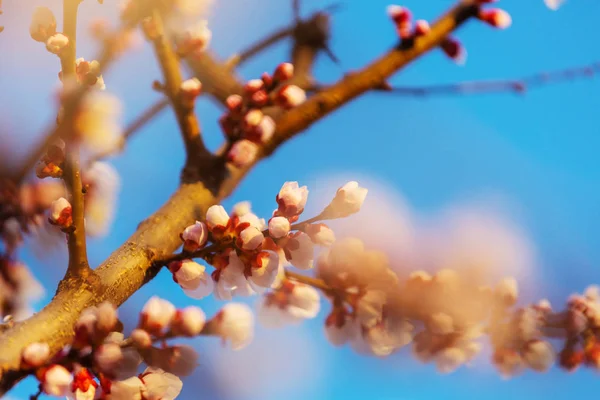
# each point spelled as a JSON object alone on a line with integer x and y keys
{"x": 454, "y": 50}
{"x": 291, "y": 303}
{"x": 128, "y": 389}
{"x": 554, "y": 4}
{"x": 194, "y": 39}
{"x": 234, "y": 102}
{"x": 194, "y": 236}
{"x": 231, "y": 280}
{"x": 539, "y": 355}
{"x": 242, "y": 153}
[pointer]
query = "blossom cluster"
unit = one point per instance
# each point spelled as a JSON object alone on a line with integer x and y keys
{"x": 249, "y": 254}
{"x": 246, "y": 124}
{"x": 408, "y": 31}
{"x": 102, "y": 363}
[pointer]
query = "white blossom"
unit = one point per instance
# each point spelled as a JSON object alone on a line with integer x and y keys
{"x": 103, "y": 183}
{"x": 57, "y": 381}
{"x": 216, "y": 216}
{"x": 291, "y": 199}
{"x": 36, "y": 354}
{"x": 157, "y": 314}
{"x": 554, "y": 4}
{"x": 300, "y": 251}
{"x": 57, "y": 43}
{"x": 160, "y": 385}
{"x": 235, "y": 324}
{"x": 98, "y": 122}
{"x": 347, "y": 201}
{"x": 189, "y": 321}
{"x": 279, "y": 227}
{"x": 194, "y": 236}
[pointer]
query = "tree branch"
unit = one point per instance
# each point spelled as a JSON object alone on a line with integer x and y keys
{"x": 78, "y": 261}
{"x": 196, "y": 152}
{"x": 217, "y": 79}
{"x": 239, "y": 58}
{"x": 129, "y": 267}
{"x": 518, "y": 86}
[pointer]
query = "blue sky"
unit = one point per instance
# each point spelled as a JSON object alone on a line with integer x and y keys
{"x": 536, "y": 153}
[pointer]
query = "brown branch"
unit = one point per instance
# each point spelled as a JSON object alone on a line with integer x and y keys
{"x": 217, "y": 79}
{"x": 308, "y": 280}
{"x": 130, "y": 266}
{"x": 518, "y": 86}
{"x": 239, "y": 58}
{"x": 78, "y": 261}
{"x": 196, "y": 151}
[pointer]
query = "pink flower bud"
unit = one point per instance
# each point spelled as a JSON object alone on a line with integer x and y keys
{"x": 192, "y": 278}
{"x": 539, "y": 355}
{"x": 234, "y": 102}
{"x": 320, "y": 234}
{"x": 235, "y": 324}
{"x": 216, "y": 216}
{"x": 279, "y": 227}
{"x": 36, "y": 354}
{"x": 251, "y": 238}
{"x": 454, "y": 50}
{"x": 496, "y": 17}
{"x": 290, "y": 96}
{"x": 157, "y": 315}
{"x": 189, "y": 90}
{"x": 61, "y": 213}
{"x": 422, "y": 28}
{"x": 253, "y": 85}
{"x": 228, "y": 124}
{"x": 189, "y": 321}
{"x": 259, "y": 98}
{"x": 554, "y": 4}
{"x": 300, "y": 250}
{"x": 141, "y": 338}
{"x": 266, "y": 129}
{"x": 43, "y": 24}
{"x": 347, "y": 201}
{"x": 84, "y": 386}
{"x": 194, "y": 39}
{"x": 242, "y": 153}
{"x": 106, "y": 317}
{"x": 267, "y": 80}
{"x": 402, "y": 17}
{"x": 56, "y": 381}
{"x": 283, "y": 72}
{"x": 57, "y": 43}
{"x": 194, "y": 236}
{"x": 291, "y": 199}
{"x": 108, "y": 356}
{"x": 252, "y": 119}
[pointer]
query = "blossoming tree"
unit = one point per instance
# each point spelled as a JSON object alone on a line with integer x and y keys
{"x": 76, "y": 346}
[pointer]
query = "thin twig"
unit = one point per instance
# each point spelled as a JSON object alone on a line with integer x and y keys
{"x": 519, "y": 86}
{"x": 308, "y": 280}
{"x": 244, "y": 55}
{"x": 169, "y": 63}
{"x": 78, "y": 262}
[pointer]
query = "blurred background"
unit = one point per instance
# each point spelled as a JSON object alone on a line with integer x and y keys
{"x": 514, "y": 176}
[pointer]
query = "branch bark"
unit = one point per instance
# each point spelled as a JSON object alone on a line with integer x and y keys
{"x": 76, "y": 243}
{"x": 130, "y": 266}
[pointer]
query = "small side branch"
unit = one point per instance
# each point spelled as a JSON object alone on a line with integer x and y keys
{"x": 196, "y": 151}
{"x": 518, "y": 86}
{"x": 78, "y": 262}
